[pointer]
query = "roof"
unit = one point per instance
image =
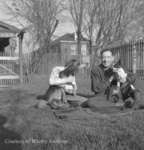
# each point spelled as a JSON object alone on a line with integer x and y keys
{"x": 4, "y": 27}
{"x": 115, "y": 44}
{"x": 67, "y": 37}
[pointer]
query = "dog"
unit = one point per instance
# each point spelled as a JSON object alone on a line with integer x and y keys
{"x": 118, "y": 90}
{"x": 113, "y": 91}
{"x": 55, "y": 96}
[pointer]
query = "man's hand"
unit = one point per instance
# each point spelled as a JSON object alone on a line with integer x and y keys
{"x": 111, "y": 78}
{"x": 121, "y": 73}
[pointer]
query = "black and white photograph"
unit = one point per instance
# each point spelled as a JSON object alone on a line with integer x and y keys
{"x": 71, "y": 74}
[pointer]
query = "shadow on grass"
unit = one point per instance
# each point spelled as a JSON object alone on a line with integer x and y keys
{"x": 81, "y": 131}
{"x": 86, "y": 95}
{"x": 9, "y": 140}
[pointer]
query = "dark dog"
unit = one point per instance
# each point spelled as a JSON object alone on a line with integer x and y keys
{"x": 121, "y": 91}
{"x": 113, "y": 91}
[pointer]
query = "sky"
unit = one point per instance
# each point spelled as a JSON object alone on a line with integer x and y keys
{"x": 63, "y": 27}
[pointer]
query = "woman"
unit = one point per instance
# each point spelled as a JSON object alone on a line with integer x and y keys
{"x": 63, "y": 78}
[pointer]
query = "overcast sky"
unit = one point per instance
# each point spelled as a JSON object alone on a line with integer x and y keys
{"x": 63, "y": 27}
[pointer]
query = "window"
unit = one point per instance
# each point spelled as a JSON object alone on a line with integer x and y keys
{"x": 84, "y": 49}
{"x": 73, "y": 49}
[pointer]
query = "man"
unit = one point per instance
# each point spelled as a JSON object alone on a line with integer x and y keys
{"x": 102, "y": 75}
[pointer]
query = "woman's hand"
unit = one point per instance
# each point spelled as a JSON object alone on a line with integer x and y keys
{"x": 73, "y": 88}
{"x": 69, "y": 79}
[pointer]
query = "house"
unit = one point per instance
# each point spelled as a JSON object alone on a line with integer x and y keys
{"x": 66, "y": 46}
{"x": 61, "y": 50}
{"x": 10, "y": 62}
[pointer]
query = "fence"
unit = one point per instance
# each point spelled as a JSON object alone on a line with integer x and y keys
{"x": 33, "y": 63}
{"x": 9, "y": 70}
{"x": 47, "y": 62}
{"x": 132, "y": 56}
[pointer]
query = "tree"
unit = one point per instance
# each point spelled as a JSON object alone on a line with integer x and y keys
{"x": 43, "y": 16}
{"x": 89, "y": 23}
{"x": 76, "y": 8}
{"x": 102, "y": 21}
{"x": 106, "y": 21}
{"x": 136, "y": 27}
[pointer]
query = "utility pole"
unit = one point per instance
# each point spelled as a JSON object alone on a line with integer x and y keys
{"x": 20, "y": 35}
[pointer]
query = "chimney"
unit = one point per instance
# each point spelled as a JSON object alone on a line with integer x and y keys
{"x": 75, "y": 36}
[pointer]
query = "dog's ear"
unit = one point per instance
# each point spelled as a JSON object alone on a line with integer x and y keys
{"x": 117, "y": 64}
{"x": 117, "y": 60}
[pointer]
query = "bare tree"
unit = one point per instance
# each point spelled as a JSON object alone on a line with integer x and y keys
{"x": 76, "y": 8}
{"x": 106, "y": 20}
{"x": 42, "y": 14}
{"x": 136, "y": 28}
{"x": 89, "y": 22}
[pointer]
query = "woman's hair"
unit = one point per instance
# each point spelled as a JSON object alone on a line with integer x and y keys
{"x": 71, "y": 68}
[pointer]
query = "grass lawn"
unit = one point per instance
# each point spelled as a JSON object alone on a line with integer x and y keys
{"x": 40, "y": 129}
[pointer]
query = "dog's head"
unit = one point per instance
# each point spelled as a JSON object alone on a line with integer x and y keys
{"x": 113, "y": 93}
{"x": 128, "y": 90}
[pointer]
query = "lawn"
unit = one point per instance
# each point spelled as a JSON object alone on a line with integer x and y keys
{"x": 82, "y": 129}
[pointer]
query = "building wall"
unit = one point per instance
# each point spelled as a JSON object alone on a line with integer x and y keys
{"x": 69, "y": 50}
